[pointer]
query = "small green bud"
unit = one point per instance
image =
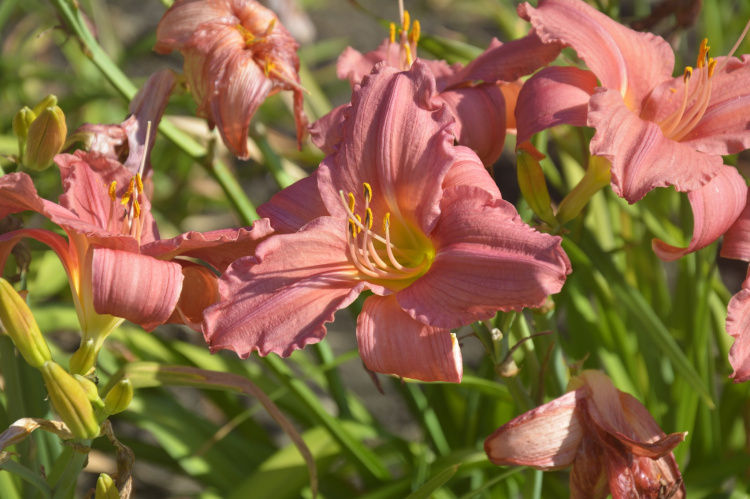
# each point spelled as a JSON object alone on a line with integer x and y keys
{"x": 533, "y": 184}
{"x": 49, "y": 101}
{"x": 597, "y": 176}
{"x": 105, "y": 488}
{"x": 92, "y": 392}
{"x": 119, "y": 397}
{"x": 19, "y": 323}
{"x": 70, "y": 400}
{"x": 21, "y": 123}
{"x": 46, "y": 138}
{"x": 84, "y": 358}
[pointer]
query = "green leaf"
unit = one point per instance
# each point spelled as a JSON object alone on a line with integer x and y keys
{"x": 434, "y": 483}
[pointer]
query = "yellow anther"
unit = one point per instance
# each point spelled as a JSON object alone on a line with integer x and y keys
{"x": 112, "y": 190}
{"x": 271, "y": 25}
{"x": 688, "y": 74}
{"x": 129, "y": 192}
{"x": 711, "y": 67}
{"x": 702, "y": 53}
{"x": 409, "y": 58}
{"x": 136, "y": 208}
{"x": 353, "y": 228}
{"x": 386, "y": 222}
{"x": 139, "y": 182}
{"x": 359, "y": 219}
{"x": 246, "y": 33}
{"x": 393, "y": 32}
{"x": 673, "y": 90}
{"x": 368, "y": 192}
{"x": 407, "y": 20}
{"x": 270, "y": 66}
{"x": 416, "y": 30}
{"x": 368, "y": 218}
{"x": 351, "y": 202}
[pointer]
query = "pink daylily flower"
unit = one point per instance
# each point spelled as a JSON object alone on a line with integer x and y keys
{"x": 481, "y": 96}
{"x": 402, "y": 212}
{"x": 117, "y": 266}
{"x": 236, "y": 53}
{"x": 611, "y": 441}
{"x": 657, "y": 130}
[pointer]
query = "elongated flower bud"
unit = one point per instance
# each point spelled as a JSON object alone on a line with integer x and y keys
{"x": 91, "y": 392}
{"x": 533, "y": 184}
{"x": 105, "y": 488}
{"x": 21, "y": 326}
{"x": 596, "y": 177}
{"x": 21, "y": 123}
{"x": 46, "y": 138}
{"x": 48, "y": 101}
{"x": 119, "y": 397}
{"x": 70, "y": 400}
{"x": 84, "y": 358}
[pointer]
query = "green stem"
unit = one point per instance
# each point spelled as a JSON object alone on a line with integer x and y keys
{"x": 27, "y": 475}
{"x": 72, "y": 18}
{"x": 66, "y": 470}
{"x": 325, "y": 355}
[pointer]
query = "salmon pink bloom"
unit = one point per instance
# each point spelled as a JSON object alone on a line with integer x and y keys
{"x": 401, "y": 211}
{"x": 656, "y": 130}
{"x": 236, "y": 54}
{"x": 481, "y": 96}
{"x": 611, "y": 441}
{"x": 117, "y": 266}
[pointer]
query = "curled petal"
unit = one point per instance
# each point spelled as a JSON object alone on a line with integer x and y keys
{"x": 326, "y": 132}
{"x": 200, "y": 290}
{"x": 469, "y": 170}
{"x": 486, "y": 260}
{"x": 588, "y": 477}
{"x": 391, "y": 342}
{"x": 353, "y": 65}
{"x": 58, "y": 244}
{"x": 182, "y": 20}
{"x": 738, "y": 327}
{"x": 546, "y": 438}
{"x": 279, "y": 300}
{"x": 480, "y": 119}
{"x": 554, "y": 96}
{"x": 291, "y": 208}
{"x": 138, "y": 288}
{"x": 218, "y": 248}
{"x": 642, "y": 157}
{"x": 737, "y": 238}
{"x": 715, "y": 206}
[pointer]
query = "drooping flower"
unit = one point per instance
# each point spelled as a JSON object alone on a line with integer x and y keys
{"x": 117, "y": 266}
{"x": 657, "y": 130}
{"x": 481, "y": 96}
{"x": 236, "y": 54}
{"x": 611, "y": 441}
{"x": 398, "y": 210}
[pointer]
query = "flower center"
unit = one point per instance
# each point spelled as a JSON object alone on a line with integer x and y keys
{"x": 377, "y": 256}
{"x": 408, "y": 40}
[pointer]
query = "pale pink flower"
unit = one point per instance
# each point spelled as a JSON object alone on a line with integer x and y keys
{"x": 401, "y": 211}
{"x": 236, "y": 53}
{"x": 657, "y": 130}
{"x": 610, "y": 440}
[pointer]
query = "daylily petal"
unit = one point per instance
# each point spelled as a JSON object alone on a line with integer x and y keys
{"x": 353, "y": 65}
{"x": 182, "y": 19}
{"x": 468, "y": 170}
{"x": 546, "y": 438}
{"x": 395, "y": 133}
{"x": 642, "y": 157}
{"x": 487, "y": 260}
{"x": 554, "y": 96}
{"x": 738, "y": 327}
{"x": 326, "y": 132}
{"x": 624, "y": 60}
{"x": 480, "y": 119}
{"x": 737, "y": 238}
{"x": 281, "y": 303}
{"x": 511, "y": 60}
{"x": 588, "y": 477}
{"x": 218, "y": 248}
{"x": 58, "y": 244}
{"x": 200, "y": 290}
{"x": 291, "y": 208}
{"x": 715, "y": 206}
{"x": 391, "y": 342}
{"x": 510, "y": 94}
{"x": 138, "y": 288}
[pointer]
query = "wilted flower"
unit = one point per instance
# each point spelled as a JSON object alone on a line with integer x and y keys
{"x": 657, "y": 130}
{"x": 398, "y": 210}
{"x": 611, "y": 441}
{"x": 236, "y": 54}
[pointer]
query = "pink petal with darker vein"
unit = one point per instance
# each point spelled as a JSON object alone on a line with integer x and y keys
{"x": 486, "y": 260}
{"x": 291, "y": 208}
{"x": 353, "y": 65}
{"x": 738, "y": 327}
{"x": 554, "y": 96}
{"x": 138, "y": 288}
{"x": 182, "y": 20}
{"x": 469, "y": 170}
{"x": 281, "y": 304}
{"x": 642, "y": 157}
{"x": 326, "y": 132}
{"x": 218, "y": 248}
{"x": 391, "y": 342}
{"x": 546, "y": 438}
{"x": 737, "y": 238}
{"x": 715, "y": 206}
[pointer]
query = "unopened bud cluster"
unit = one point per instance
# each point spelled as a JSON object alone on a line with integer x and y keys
{"x": 41, "y": 134}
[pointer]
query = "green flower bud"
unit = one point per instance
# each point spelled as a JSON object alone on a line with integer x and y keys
{"x": 46, "y": 138}
{"x": 91, "y": 392}
{"x": 49, "y": 101}
{"x": 21, "y": 326}
{"x": 105, "y": 488}
{"x": 70, "y": 400}
{"x": 533, "y": 184}
{"x": 597, "y": 176}
{"x": 119, "y": 397}
{"x": 84, "y": 358}
{"x": 21, "y": 123}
